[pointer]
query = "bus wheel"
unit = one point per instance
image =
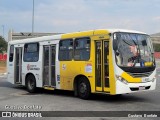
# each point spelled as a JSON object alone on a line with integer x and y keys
{"x": 84, "y": 89}
{"x": 31, "y": 84}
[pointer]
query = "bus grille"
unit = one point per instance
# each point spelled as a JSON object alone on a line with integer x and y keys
{"x": 136, "y": 88}
{"x": 136, "y": 75}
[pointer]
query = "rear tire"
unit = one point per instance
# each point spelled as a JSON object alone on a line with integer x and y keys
{"x": 31, "y": 84}
{"x": 84, "y": 89}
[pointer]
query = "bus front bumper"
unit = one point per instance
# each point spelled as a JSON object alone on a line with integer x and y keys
{"x": 122, "y": 88}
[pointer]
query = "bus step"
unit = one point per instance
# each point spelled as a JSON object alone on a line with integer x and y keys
{"x": 48, "y": 88}
{"x": 18, "y": 83}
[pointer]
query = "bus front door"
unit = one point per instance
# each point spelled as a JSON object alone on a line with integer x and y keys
{"x": 49, "y": 59}
{"x": 102, "y": 66}
{"x": 18, "y": 64}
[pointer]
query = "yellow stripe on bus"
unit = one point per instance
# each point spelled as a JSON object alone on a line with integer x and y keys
{"x": 130, "y": 79}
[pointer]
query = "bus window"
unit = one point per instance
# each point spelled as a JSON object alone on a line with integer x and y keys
{"x": 82, "y": 49}
{"x": 66, "y": 50}
{"x": 31, "y": 52}
{"x": 11, "y": 53}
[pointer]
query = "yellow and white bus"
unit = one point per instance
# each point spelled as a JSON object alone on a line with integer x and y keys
{"x": 107, "y": 61}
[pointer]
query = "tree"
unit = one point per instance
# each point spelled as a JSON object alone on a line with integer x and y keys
{"x": 3, "y": 45}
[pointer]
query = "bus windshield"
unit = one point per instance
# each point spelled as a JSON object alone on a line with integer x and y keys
{"x": 134, "y": 50}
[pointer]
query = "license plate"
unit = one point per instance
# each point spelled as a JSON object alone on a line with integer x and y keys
{"x": 146, "y": 79}
{"x": 141, "y": 88}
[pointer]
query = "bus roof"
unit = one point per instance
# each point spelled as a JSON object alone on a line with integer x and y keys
{"x": 125, "y": 30}
{"x": 58, "y": 37}
{"x": 36, "y": 39}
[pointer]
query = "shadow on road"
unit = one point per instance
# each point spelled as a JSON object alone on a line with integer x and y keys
{"x": 118, "y": 98}
{"x": 97, "y": 97}
{"x": 6, "y": 84}
{"x": 94, "y": 97}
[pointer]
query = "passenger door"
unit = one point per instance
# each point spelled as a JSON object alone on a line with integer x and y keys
{"x": 49, "y": 58}
{"x": 10, "y": 64}
{"x": 18, "y": 65}
{"x": 102, "y": 65}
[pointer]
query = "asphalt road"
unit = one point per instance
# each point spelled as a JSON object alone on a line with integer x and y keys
{"x": 13, "y": 97}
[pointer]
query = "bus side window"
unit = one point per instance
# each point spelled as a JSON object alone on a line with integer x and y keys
{"x": 31, "y": 52}
{"x": 11, "y": 53}
{"x": 65, "y": 50}
{"x": 82, "y": 49}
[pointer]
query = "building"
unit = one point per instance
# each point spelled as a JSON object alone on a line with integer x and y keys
{"x": 23, "y": 35}
{"x": 156, "y": 38}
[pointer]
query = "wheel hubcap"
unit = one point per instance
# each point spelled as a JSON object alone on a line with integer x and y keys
{"x": 83, "y": 88}
{"x": 31, "y": 84}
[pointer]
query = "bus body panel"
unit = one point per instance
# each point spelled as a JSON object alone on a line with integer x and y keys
{"x": 111, "y": 70}
{"x": 57, "y": 68}
{"x": 34, "y": 68}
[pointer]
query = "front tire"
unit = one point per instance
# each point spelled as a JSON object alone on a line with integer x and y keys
{"x": 31, "y": 84}
{"x": 84, "y": 89}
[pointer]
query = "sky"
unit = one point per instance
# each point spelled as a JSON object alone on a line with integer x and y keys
{"x": 65, "y": 16}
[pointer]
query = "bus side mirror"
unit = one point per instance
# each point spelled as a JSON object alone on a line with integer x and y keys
{"x": 115, "y": 47}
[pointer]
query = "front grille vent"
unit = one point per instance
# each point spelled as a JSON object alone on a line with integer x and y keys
{"x": 136, "y": 75}
{"x": 137, "y": 88}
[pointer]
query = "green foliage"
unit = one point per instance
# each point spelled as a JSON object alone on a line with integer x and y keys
{"x": 156, "y": 47}
{"x": 3, "y": 45}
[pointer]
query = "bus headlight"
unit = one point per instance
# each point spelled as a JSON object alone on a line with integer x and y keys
{"x": 121, "y": 79}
